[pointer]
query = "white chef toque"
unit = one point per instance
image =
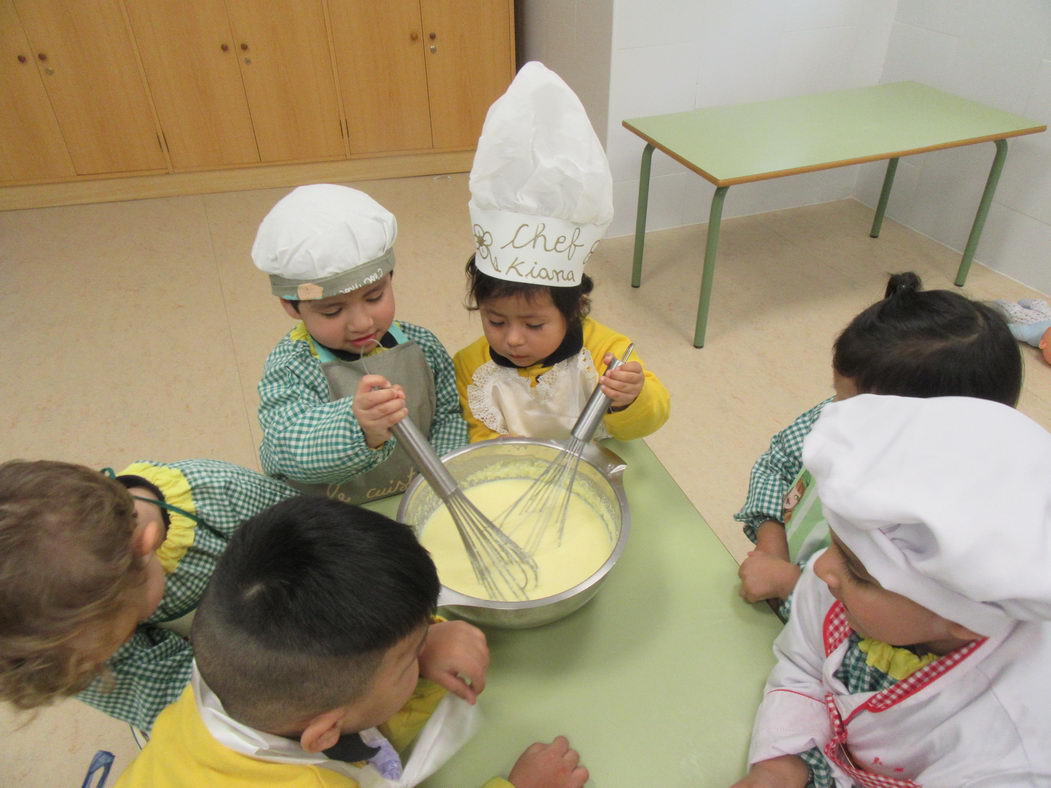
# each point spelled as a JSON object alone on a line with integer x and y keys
{"x": 541, "y": 188}
{"x": 323, "y": 240}
{"x": 946, "y": 501}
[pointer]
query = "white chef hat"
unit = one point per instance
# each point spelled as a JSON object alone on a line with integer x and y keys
{"x": 541, "y": 188}
{"x": 323, "y": 240}
{"x": 946, "y": 501}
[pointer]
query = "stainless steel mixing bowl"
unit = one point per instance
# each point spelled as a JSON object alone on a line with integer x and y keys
{"x": 599, "y": 478}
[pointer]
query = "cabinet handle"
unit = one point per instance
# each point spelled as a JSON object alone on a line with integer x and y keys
{"x": 414, "y": 36}
{"x": 433, "y": 36}
{"x": 244, "y": 47}
{"x": 434, "y": 48}
{"x": 41, "y": 56}
{"x": 224, "y": 47}
{"x": 21, "y": 58}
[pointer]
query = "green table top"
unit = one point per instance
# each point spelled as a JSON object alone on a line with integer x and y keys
{"x": 768, "y": 139}
{"x": 655, "y": 681}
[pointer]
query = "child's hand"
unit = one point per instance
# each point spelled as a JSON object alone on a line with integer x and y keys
{"x": 765, "y": 576}
{"x": 623, "y": 384}
{"x": 378, "y": 406}
{"x": 785, "y": 771}
{"x": 553, "y": 765}
{"x": 456, "y": 657}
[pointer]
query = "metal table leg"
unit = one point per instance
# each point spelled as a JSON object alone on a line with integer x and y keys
{"x": 884, "y": 197}
{"x": 640, "y": 216}
{"x": 983, "y": 211}
{"x": 715, "y": 216}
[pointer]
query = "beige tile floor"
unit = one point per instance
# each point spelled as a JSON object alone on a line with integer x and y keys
{"x": 138, "y": 330}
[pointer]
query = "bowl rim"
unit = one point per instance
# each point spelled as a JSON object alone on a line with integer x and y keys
{"x": 608, "y": 463}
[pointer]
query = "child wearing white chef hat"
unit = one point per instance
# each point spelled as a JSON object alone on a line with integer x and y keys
{"x": 541, "y": 199}
{"x": 348, "y": 371}
{"x": 917, "y": 648}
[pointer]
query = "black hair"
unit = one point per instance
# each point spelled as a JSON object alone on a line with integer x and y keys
{"x": 572, "y": 302}
{"x": 303, "y": 604}
{"x": 930, "y": 343}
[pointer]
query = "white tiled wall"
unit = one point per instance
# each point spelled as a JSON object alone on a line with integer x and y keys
{"x": 677, "y": 55}
{"x": 573, "y": 37}
{"x": 1000, "y": 54}
{"x": 631, "y": 58}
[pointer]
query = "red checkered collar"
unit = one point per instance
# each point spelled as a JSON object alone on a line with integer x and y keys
{"x": 836, "y": 630}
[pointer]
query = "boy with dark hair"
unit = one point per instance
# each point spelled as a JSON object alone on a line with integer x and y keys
{"x": 310, "y": 643}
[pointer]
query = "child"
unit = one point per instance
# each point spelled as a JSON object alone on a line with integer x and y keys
{"x": 917, "y": 649}
{"x": 347, "y": 372}
{"x": 913, "y": 343}
{"x": 310, "y": 642}
{"x": 99, "y": 577}
{"x": 541, "y": 199}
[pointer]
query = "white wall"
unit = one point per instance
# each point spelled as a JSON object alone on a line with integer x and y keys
{"x": 677, "y": 55}
{"x": 573, "y": 38}
{"x": 998, "y": 53}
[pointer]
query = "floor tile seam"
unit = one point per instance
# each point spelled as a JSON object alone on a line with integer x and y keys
{"x": 229, "y": 324}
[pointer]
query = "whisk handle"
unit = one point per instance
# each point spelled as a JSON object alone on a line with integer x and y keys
{"x": 597, "y": 404}
{"x": 423, "y": 457}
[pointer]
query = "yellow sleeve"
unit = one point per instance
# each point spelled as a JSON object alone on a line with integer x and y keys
{"x": 650, "y": 409}
{"x": 497, "y": 782}
{"x": 467, "y": 362}
{"x": 409, "y": 720}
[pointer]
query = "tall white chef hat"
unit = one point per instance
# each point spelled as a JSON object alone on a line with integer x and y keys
{"x": 946, "y": 501}
{"x": 541, "y": 188}
{"x": 323, "y": 240}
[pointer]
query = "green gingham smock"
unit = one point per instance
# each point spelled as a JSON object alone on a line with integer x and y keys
{"x": 152, "y": 668}
{"x": 310, "y": 439}
{"x": 775, "y": 471}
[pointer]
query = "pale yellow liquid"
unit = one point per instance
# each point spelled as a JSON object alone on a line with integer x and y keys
{"x": 585, "y": 541}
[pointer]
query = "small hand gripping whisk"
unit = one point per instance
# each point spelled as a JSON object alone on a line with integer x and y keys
{"x": 545, "y": 503}
{"x": 501, "y": 566}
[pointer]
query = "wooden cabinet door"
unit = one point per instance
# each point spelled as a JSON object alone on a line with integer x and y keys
{"x": 379, "y": 49}
{"x": 191, "y": 64}
{"x": 468, "y": 55}
{"x": 286, "y": 66}
{"x": 31, "y": 144}
{"x": 87, "y": 61}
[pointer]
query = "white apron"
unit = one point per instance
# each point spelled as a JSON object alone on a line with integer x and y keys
{"x": 975, "y": 717}
{"x": 509, "y": 404}
{"x": 451, "y": 725}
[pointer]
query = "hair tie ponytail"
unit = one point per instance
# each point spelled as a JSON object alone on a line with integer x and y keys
{"x": 903, "y": 284}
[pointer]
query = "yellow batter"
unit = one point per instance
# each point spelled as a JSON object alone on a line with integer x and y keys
{"x": 586, "y": 541}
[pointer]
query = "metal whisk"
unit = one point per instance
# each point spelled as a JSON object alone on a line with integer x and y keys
{"x": 501, "y": 566}
{"x": 545, "y": 503}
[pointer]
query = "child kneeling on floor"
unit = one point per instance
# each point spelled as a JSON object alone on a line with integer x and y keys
{"x": 310, "y": 642}
{"x": 918, "y": 645}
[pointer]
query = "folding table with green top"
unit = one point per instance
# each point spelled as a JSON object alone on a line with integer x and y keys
{"x": 655, "y": 681}
{"x": 769, "y": 139}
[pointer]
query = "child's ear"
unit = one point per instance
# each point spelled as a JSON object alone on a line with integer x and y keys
{"x": 290, "y": 308}
{"x": 146, "y": 537}
{"x": 323, "y": 731}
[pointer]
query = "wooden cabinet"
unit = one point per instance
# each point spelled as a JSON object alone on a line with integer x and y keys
{"x": 419, "y": 74}
{"x": 31, "y": 144}
{"x": 86, "y": 60}
{"x": 190, "y": 57}
{"x": 98, "y": 88}
{"x": 287, "y": 69}
{"x": 240, "y": 82}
